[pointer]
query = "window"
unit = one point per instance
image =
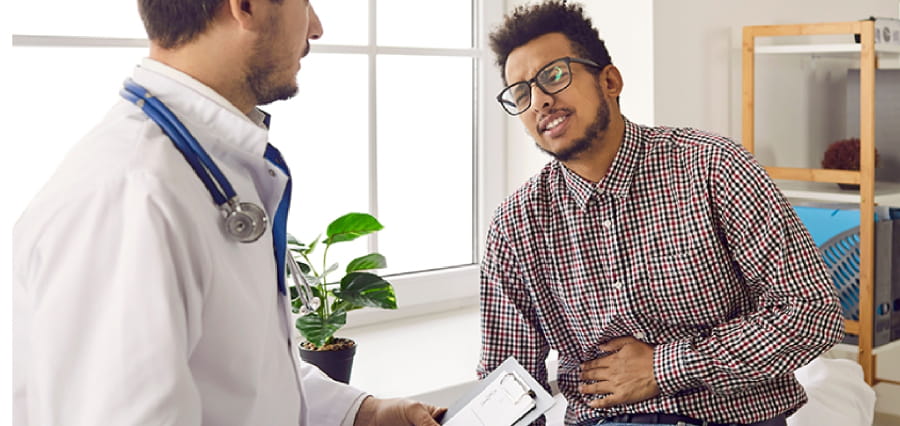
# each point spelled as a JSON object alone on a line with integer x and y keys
{"x": 395, "y": 116}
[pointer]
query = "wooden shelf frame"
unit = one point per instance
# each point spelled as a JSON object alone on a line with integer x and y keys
{"x": 865, "y": 177}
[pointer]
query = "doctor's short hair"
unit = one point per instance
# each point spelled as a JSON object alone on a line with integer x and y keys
{"x": 528, "y": 22}
{"x": 172, "y": 23}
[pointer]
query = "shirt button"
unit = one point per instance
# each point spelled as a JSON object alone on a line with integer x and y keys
{"x": 271, "y": 172}
{"x": 639, "y": 335}
{"x": 607, "y": 224}
{"x": 618, "y": 285}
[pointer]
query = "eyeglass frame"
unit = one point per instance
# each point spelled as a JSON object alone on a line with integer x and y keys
{"x": 533, "y": 81}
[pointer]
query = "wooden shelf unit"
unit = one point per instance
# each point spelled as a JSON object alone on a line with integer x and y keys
{"x": 865, "y": 177}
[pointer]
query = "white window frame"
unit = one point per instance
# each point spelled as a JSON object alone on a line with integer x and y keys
{"x": 424, "y": 291}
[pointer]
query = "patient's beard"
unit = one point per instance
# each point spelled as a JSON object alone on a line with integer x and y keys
{"x": 591, "y": 135}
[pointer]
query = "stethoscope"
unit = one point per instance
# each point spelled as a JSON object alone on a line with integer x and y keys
{"x": 244, "y": 222}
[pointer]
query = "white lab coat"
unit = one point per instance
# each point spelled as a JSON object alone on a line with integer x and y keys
{"x": 132, "y": 306}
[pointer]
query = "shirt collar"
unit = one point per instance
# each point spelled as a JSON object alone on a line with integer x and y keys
{"x": 256, "y": 116}
{"x": 617, "y": 180}
{"x": 196, "y": 104}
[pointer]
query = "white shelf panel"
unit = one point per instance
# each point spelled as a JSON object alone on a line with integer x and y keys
{"x": 845, "y": 348}
{"x": 886, "y": 193}
{"x": 838, "y": 48}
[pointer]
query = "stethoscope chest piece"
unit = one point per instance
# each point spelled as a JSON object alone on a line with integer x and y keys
{"x": 244, "y": 222}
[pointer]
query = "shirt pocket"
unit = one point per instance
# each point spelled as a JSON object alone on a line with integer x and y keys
{"x": 695, "y": 287}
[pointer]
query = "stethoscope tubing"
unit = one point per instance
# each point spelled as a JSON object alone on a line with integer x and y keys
{"x": 309, "y": 301}
{"x": 184, "y": 141}
{"x": 245, "y": 222}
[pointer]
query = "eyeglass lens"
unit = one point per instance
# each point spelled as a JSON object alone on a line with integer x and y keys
{"x": 551, "y": 79}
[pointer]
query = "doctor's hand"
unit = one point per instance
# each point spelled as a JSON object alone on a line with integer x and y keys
{"x": 397, "y": 412}
{"x": 624, "y": 376}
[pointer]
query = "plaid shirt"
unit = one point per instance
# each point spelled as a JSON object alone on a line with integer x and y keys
{"x": 687, "y": 245}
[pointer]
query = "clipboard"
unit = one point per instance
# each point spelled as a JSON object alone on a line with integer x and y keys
{"x": 509, "y": 396}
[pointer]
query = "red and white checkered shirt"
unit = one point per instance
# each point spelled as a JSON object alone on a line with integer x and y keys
{"x": 686, "y": 245}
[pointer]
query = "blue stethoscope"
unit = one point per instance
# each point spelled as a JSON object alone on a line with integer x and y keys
{"x": 244, "y": 222}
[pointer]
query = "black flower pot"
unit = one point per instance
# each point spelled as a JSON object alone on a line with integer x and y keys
{"x": 337, "y": 364}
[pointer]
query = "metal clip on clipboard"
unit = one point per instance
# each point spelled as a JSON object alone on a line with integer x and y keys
{"x": 508, "y": 396}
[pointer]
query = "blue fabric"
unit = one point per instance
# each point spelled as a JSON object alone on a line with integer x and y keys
{"x": 279, "y": 223}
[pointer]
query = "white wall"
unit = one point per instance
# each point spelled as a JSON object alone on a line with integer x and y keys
{"x": 697, "y": 43}
{"x": 627, "y": 28}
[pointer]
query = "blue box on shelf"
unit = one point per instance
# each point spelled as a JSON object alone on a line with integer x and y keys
{"x": 835, "y": 231}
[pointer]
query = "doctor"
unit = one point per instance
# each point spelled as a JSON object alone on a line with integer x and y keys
{"x": 140, "y": 297}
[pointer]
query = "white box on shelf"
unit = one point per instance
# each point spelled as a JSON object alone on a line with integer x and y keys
{"x": 887, "y": 31}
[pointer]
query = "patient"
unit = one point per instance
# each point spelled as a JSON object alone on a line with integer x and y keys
{"x": 663, "y": 264}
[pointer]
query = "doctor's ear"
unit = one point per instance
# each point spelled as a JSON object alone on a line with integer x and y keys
{"x": 241, "y": 7}
{"x": 248, "y": 13}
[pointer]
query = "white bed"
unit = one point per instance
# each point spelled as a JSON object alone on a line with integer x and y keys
{"x": 838, "y": 395}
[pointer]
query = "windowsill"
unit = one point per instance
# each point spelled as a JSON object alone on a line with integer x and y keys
{"x": 430, "y": 357}
{"x": 417, "y": 355}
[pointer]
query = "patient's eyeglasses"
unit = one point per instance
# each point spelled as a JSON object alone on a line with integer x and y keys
{"x": 551, "y": 79}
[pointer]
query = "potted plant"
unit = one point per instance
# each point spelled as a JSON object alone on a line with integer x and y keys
{"x": 337, "y": 292}
{"x": 844, "y": 155}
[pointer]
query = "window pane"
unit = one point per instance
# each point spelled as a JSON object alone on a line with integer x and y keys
{"x": 425, "y": 167}
{"x": 343, "y": 22}
{"x": 425, "y": 23}
{"x": 108, "y": 18}
{"x": 323, "y": 135}
{"x": 54, "y": 109}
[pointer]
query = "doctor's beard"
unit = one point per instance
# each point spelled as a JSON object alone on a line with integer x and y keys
{"x": 261, "y": 83}
{"x": 263, "y": 73}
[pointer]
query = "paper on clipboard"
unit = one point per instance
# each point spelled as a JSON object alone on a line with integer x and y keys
{"x": 508, "y": 396}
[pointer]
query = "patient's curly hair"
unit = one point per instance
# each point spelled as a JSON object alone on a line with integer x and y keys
{"x": 527, "y": 23}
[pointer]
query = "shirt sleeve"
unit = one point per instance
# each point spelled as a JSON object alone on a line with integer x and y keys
{"x": 797, "y": 316}
{"x": 509, "y": 324}
{"x": 113, "y": 295}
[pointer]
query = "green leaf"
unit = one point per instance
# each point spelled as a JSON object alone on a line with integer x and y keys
{"x": 303, "y": 267}
{"x": 367, "y": 262}
{"x": 317, "y": 293}
{"x": 343, "y": 305}
{"x": 318, "y": 330}
{"x": 294, "y": 243}
{"x": 351, "y": 226}
{"x": 367, "y": 289}
{"x": 298, "y": 247}
{"x": 331, "y": 268}
{"x": 312, "y": 245}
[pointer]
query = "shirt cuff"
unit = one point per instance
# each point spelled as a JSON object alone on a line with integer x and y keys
{"x": 670, "y": 367}
{"x": 350, "y": 418}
